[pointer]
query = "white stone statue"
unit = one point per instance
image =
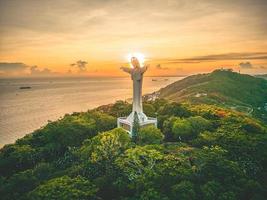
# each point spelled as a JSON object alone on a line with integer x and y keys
{"x": 136, "y": 72}
{"x": 137, "y": 76}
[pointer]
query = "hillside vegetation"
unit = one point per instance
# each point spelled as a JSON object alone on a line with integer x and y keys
{"x": 240, "y": 92}
{"x": 197, "y": 152}
{"x": 262, "y": 76}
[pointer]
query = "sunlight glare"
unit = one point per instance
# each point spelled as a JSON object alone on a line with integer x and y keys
{"x": 139, "y": 56}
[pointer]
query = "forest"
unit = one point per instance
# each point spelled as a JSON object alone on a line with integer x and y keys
{"x": 197, "y": 152}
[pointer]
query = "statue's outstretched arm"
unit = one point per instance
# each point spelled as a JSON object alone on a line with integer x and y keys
{"x": 144, "y": 68}
{"x": 127, "y": 69}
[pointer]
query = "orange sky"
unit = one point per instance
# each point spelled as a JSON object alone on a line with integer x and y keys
{"x": 178, "y": 37}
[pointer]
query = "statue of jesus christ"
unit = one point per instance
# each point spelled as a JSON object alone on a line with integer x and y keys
{"x": 137, "y": 76}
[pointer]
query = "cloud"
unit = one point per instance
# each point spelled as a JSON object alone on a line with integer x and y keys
{"x": 5, "y": 66}
{"x": 246, "y": 65}
{"x": 231, "y": 56}
{"x": 35, "y": 71}
{"x": 159, "y": 67}
{"x": 219, "y": 57}
{"x": 21, "y": 69}
{"x": 7, "y": 69}
{"x": 81, "y": 65}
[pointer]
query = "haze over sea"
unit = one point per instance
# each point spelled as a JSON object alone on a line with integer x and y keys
{"x": 25, "y": 110}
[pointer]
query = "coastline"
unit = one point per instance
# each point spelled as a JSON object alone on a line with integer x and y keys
{"x": 24, "y": 111}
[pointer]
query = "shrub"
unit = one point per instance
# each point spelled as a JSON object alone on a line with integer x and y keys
{"x": 182, "y": 129}
{"x": 150, "y": 135}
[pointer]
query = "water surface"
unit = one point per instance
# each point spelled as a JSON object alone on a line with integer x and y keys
{"x": 25, "y": 110}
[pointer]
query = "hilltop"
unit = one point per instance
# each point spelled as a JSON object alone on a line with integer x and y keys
{"x": 261, "y": 76}
{"x": 225, "y": 88}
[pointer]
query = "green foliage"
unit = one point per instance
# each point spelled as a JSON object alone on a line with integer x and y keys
{"x": 106, "y": 146}
{"x": 211, "y": 190}
{"x": 182, "y": 129}
{"x": 150, "y": 135}
{"x": 16, "y": 158}
{"x": 167, "y": 110}
{"x": 223, "y": 88}
{"x": 72, "y": 130}
{"x": 149, "y": 110}
{"x": 252, "y": 127}
{"x": 167, "y": 128}
{"x": 138, "y": 162}
{"x": 174, "y": 109}
{"x": 151, "y": 194}
{"x": 184, "y": 191}
{"x": 65, "y": 188}
{"x": 135, "y": 128}
{"x": 208, "y": 153}
{"x": 52, "y": 141}
{"x": 17, "y": 186}
{"x": 199, "y": 124}
{"x": 120, "y": 108}
{"x": 43, "y": 171}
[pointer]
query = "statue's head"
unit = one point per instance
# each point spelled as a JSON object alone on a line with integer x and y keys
{"x": 135, "y": 62}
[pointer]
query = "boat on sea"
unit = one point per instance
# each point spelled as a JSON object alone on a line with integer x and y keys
{"x": 25, "y": 87}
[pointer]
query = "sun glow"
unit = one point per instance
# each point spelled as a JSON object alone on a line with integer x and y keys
{"x": 139, "y": 56}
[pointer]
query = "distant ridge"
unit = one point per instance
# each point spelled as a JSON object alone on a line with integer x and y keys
{"x": 240, "y": 92}
{"x": 261, "y": 76}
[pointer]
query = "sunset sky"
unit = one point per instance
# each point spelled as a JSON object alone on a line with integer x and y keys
{"x": 94, "y": 37}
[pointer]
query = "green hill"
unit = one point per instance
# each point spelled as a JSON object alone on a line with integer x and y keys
{"x": 261, "y": 76}
{"x": 198, "y": 152}
{"x": 240, "y": 92}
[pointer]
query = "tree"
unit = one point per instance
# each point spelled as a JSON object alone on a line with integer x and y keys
{"x": 150, "y": 135}
{"x": 15, "y": 158}
{"x": 43, "y": 171}
{"x": 183, "y": 191}
{"x": 81, "y": 156}
{"x": 167, "y": 128}
{"x": 65, "y": 188}
{"x": 182, "y": 129}
{"x": 174, "y": 109}
{"x": 120, "y": 108}
{"x": 149, "y": 110}
{"x": 211, "y": 190}
{"x": 214, "y": 166}
{"x": 55, "y": 138}
{"x": 199, "y": 124}
{"x": 252, "y": 127}
{"x": 138, "y": 162}
{"x": 17, "y": 186}
{"x": 135, "y": 128}
{"x": 150, "y": 194}
{"x": 106, "y": 146}
{"x": 189, "y": 128}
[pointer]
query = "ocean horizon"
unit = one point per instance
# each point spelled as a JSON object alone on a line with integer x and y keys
{"x": 28, "y": 104}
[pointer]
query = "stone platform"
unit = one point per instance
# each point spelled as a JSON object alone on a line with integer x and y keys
{"x": 127, "y": 122}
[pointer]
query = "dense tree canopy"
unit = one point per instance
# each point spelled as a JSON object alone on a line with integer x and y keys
{"x": 65, "y": 188}
{"x": 150, "y": 135}
{"x": 198, "y": 152}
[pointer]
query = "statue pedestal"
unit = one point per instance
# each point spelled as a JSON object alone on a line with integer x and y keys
{"x": 127, "y": 122}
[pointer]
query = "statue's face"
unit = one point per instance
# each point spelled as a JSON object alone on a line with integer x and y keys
{"x": 135, "y": 62}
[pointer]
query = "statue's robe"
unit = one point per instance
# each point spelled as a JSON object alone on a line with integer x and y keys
{"x": 137, "y": 77}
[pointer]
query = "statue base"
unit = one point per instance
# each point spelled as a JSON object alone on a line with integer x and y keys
{"x": 127, "y": 122}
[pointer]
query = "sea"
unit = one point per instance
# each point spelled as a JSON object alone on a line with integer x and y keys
{"x": 24, "y": 110}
